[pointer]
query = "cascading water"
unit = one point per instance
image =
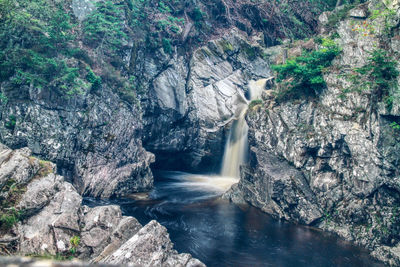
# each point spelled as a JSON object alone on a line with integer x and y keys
{"x": 236, "y": 148}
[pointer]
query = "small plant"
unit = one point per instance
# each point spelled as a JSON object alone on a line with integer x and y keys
{"x": 395, "y": 126}
{"x": 255, "y": 103}
{"x": 93, "y": 79}
{"x": 74, "y": 241}
{"x": 166, "y": 44}
{"x": 10, "y": 124}
{"x": 9, "y": 218}
{"x": 3, "y": 99}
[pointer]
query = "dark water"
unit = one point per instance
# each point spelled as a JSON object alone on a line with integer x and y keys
{"x": 222, "y": 234}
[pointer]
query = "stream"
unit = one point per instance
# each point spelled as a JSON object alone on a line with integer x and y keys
{"x": 220, "y": 233}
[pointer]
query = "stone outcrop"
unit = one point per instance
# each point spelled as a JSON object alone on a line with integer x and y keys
{"x": 51, "y": 216}
{"x": 331, "y": 162}
{"x": 151, "y": 246}
{"x": 95, "y": 140}
{"x": 191, "y": 100}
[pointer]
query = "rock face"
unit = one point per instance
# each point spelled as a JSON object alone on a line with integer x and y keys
{"x": 195, "y": 98}
{"x": 330, "y": 162}
{"x": 95, "y": 140}
{"x": 151, "y": 246}
{"x": 53, "y": 216}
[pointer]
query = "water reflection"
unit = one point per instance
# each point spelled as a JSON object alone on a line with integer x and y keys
{"x": 222, "y": 234}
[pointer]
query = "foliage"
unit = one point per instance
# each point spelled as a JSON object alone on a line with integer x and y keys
{"x": 3, "y": 99}
{"x": 303, "y": 75}
{"x": 384, "y": 17}
{"x": 255, "y": 103}
{"x": 104, "y": 28}
{"x": 9, "y": 218}
{"x": 166, "y": 44}
{"x": 57, "y": 257}
{"x": 11, "y": 122}
{"x": 32, "y": 34}
{"x": 379, "y": 75}
{"x": 74, "y": 241}
{"x": 395, "y": 126}
{"x": 93, "y": 79}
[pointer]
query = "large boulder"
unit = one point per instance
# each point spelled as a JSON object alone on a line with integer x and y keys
{"x": 151, "y": 246}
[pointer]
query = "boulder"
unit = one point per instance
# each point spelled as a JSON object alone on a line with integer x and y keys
{"x": 150, "y": 246}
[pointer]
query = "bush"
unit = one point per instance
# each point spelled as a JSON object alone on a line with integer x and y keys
{"x": 74, "y": 241}
{"x": 93, "y": 79}
{"x": 255, "y": 103}
{"x": 303, "y": 75}
{"x": 104, "y": 28}
{"x": 166, "y": 43}
{"x": 10, "y": 124}
{"x": 379, "y": 75}
{"x": 9, "y": 218}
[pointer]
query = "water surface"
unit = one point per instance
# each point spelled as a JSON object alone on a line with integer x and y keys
{"x": 220, "y": 233}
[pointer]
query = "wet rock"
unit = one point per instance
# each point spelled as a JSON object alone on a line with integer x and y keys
{"x": 195, "y": 98}
{"x": 150, "y": 246}
{"x": 53, "y": 215}
{"x": 331, "y": 162}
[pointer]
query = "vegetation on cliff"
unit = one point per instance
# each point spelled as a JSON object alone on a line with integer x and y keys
{"x": 303, "y": 75}
{"x": 43, "y": 45}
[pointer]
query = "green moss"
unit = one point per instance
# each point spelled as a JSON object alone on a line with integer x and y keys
{"x": 226, "y": 46}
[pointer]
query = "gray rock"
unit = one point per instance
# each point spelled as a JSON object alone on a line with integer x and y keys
{"x": 82, "y": 8}
{"x": 192, "y": 100}
{"x": 97, "y": 145}
{"x": 53, "y": 214}
{"x": 150, "y": 246}
{"x": 331, "y": 162}
{"x": 16, "y": 166}
{"x": 358, "y": 13}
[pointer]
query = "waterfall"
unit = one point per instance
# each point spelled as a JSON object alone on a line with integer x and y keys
{"x": 236, "y": 148}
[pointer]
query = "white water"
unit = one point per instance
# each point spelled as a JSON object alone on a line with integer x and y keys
{"x": 235, "y": 153}
{"x": 236, "y": 148}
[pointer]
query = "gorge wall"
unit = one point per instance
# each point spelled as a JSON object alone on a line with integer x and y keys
{"x": 93, "y": 92}
{"x": 331, "y": 161}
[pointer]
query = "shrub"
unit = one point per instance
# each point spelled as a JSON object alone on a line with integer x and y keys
{"x": 9, "y": 218}
{"x": 3, "y": 99}
{"x": 166, "y": 44}
{"x": 74, "y": 241}
{"x": 254, "y": 103}
{"x": 93, "y": 79}
{"x": 104, "y": 28}
{"x": 303, "y": 75}
{"x": 379, "y": 75}
{"x": 10, "y": 124}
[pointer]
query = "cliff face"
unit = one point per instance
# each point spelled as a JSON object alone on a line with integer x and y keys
{"x": 332, "y": 161}
{"x": 97, "y": 83}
